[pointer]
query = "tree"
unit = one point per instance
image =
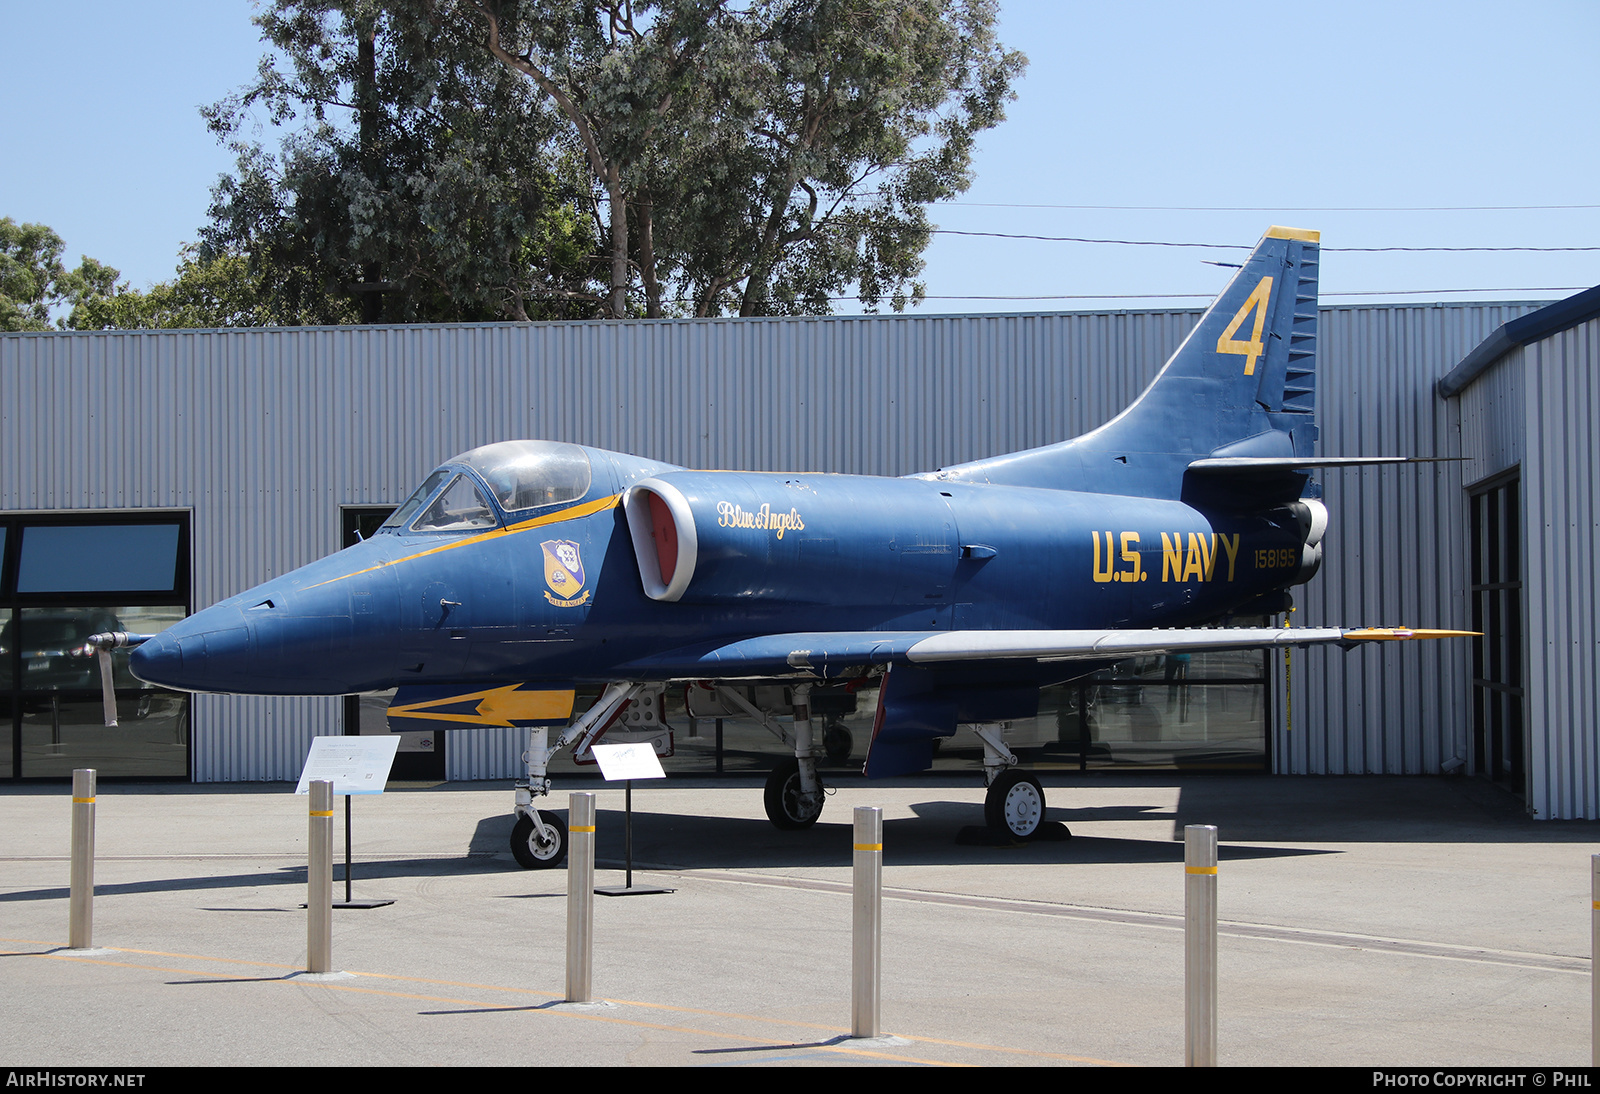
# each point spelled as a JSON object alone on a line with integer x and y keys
{"x": 767, "y": 156}
{"x": 33, "y": 280}
{"x": 422, "y": 185}
{"x": 208, "y": 291}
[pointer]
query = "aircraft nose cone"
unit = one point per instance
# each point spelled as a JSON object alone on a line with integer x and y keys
{"x": 158, "y": 661}
{"x": 188, "y": 658}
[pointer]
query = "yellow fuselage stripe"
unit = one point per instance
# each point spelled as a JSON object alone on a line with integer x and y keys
{"x": 577, "y": 511}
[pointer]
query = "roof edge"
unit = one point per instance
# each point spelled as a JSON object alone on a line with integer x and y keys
{"x": 1548, "y": 320}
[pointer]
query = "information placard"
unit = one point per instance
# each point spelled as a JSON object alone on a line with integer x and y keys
{"x": 636, "y": 760}
{"x": 354, "y": 765}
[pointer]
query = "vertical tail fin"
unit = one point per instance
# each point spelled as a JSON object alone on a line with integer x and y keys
{"x": 1243, "y": 383}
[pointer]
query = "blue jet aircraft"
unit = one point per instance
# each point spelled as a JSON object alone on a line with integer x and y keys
{"x": 521, "y": 571}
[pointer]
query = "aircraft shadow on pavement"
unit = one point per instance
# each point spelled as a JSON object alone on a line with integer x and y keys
{"x": 675, "y": 841}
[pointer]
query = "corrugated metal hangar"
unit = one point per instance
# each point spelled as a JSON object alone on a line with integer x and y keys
{"x": 144, "y": 475}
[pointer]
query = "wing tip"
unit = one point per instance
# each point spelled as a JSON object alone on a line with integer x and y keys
{"x": 1404, "y": 634}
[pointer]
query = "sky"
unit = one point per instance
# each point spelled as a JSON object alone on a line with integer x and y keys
{"x": 1461, "y": 124}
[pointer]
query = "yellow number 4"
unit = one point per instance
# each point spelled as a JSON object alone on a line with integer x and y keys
{"x": 1253, "y": 348}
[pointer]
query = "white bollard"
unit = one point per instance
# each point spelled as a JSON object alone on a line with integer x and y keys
{"x": 80, "y": 905}
{"x": 580, "y": 897}
{"x": 319, "y": 879}
{"x": 866, "y": 952}
{"x": 1200, "y": 945}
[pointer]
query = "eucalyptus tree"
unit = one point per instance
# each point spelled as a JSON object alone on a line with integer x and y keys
{"x": 763, "y": 157}
{"x": 416, "y": 178}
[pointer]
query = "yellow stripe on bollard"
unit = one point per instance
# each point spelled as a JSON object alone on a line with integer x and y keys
{"x": 1199, "y": 869}
{"x": 581, "y": 828}
{"x": 322, "y": 812}
{"x": 869, "y": 847}
{"x": 82, "y": 801}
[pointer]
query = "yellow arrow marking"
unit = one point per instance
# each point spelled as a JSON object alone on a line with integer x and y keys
{"x": 496, "y": 707}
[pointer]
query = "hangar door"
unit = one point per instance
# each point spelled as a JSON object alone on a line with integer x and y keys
{"x": 1498, "y": 724}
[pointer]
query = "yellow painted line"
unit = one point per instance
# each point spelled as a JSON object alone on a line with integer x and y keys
{"x": 481, "y": 1004}
{"x": 577, "y": 511}
{"x": 1307, "y": 234}
{"x": 792, "y": 1024}
{"x": 1199, "y": 869}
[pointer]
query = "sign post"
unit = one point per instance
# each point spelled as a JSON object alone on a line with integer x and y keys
{"x": 636, "y": 760}
{"x": 352, "y": 765}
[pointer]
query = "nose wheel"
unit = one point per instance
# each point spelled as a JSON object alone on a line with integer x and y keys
{"x": 535, "y": 850}
{"x": 1015, "y": 804}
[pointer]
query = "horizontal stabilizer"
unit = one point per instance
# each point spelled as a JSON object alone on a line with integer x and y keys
{"x": 1226, "y": 464}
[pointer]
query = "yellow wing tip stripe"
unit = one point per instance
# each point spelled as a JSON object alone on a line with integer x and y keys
{"x": 1199, "y": 869}
{"x": 1402, "y": 634}
{"x": 1307, "y": 235}
{"x": 584, "y": 510}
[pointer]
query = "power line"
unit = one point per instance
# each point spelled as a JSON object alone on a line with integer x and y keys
{"x": 1204, "y": 295}
{"x": 1211, "y": 295}
{"x": 1276, "y": 208}
{"x": 1238, "y": 246}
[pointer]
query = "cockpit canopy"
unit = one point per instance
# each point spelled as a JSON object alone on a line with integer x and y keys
{"x": 521, "y": 476}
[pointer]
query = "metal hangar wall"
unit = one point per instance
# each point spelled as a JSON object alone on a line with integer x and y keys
{"x": 260, "y": 439}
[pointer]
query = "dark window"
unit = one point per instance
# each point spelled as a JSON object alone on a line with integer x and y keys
{"x": 64, "y": 577}
{"x": 84, "y": 558}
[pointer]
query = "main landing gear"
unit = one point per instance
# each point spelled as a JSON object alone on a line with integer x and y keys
{"x": 789, "y": 807}
{"x": 1014, "y": 805}
{"x": 794, "y": 793}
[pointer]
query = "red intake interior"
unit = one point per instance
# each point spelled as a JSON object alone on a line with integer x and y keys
{"x": 664, "y": 530}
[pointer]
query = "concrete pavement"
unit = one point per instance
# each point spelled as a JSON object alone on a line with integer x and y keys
{"x": 1366, "y": 921}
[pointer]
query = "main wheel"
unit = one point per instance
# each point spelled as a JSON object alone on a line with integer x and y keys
{"x": 837, "y": 742}
{"x": 1015, "y": 804}
{"x": 530, "y": 851}
{"x": 786, "y": 805}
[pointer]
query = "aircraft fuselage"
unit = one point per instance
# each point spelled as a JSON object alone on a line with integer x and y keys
{"x": 560, "y": 598}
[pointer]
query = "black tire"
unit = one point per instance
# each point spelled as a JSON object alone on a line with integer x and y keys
{"x": 1015, "y": 804}
{"x": 783, "y": 799}
{"x": 529, "y": 852}
{"x": 837, "y": 742}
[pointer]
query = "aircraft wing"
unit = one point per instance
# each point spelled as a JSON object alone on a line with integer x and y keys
{"x": 843, "y": 653}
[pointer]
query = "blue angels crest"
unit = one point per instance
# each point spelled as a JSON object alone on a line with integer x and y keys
{"x": 563, "y": 572}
